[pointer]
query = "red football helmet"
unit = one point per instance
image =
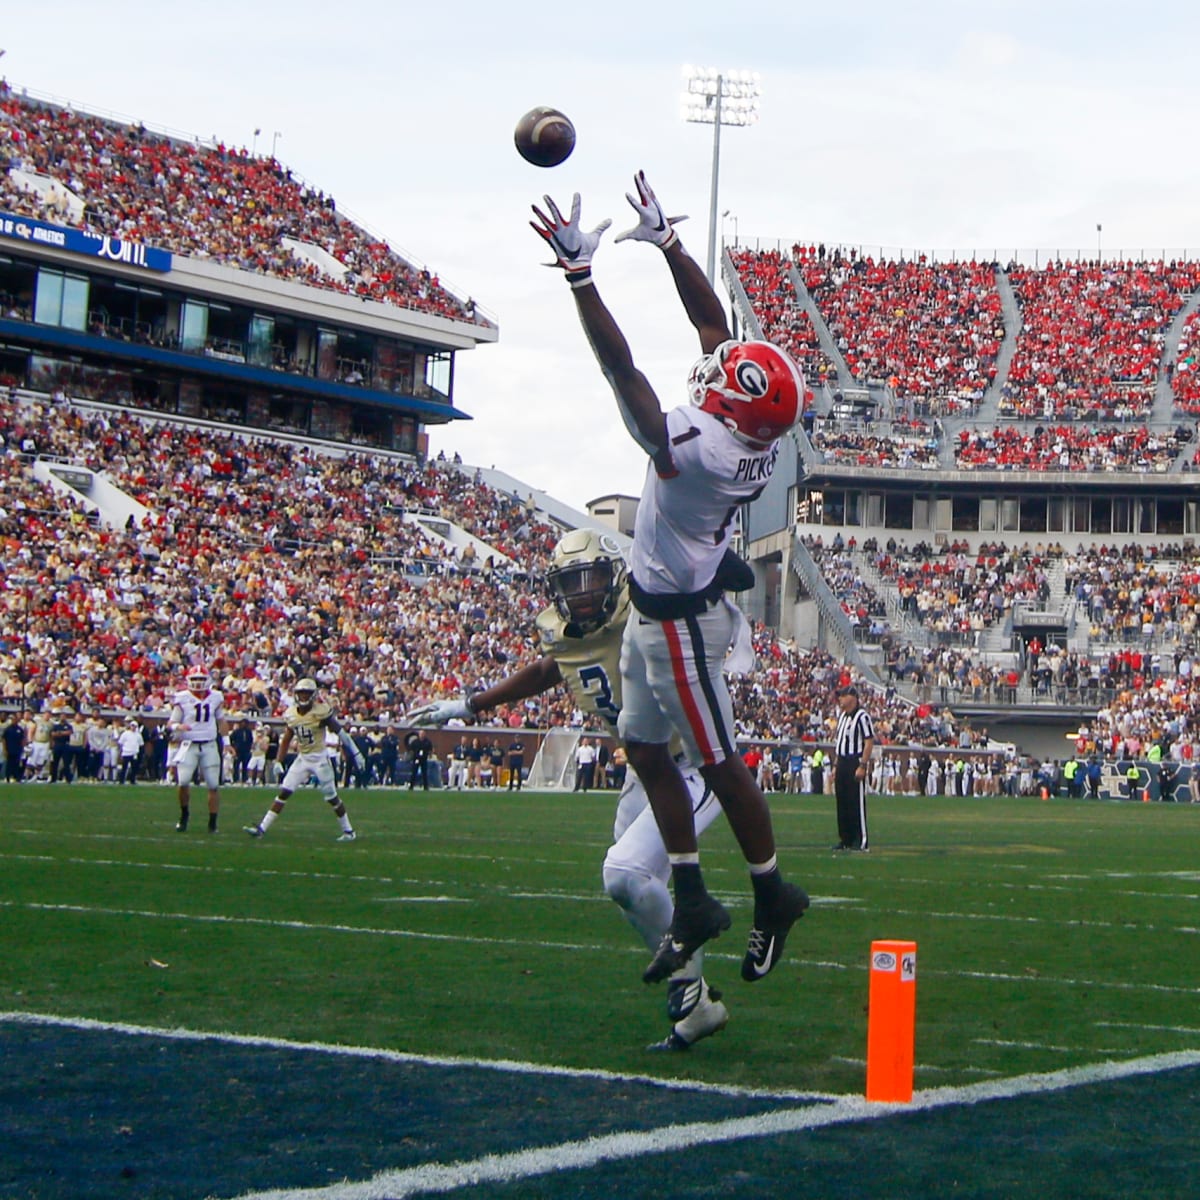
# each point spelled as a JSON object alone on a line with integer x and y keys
{"x": 199, "y": 680}
{"x": 755, "y": 389}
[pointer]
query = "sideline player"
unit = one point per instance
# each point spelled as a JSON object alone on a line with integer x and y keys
{"x": 306, "y": 723}
{"x": 707, "y": 459}
{"x": 196, "y": 725}
{"x": 580, "y": 636}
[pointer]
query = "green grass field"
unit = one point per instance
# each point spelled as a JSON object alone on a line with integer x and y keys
{"x": 491, "y": 1000}
{"x": 1050, "y": 934}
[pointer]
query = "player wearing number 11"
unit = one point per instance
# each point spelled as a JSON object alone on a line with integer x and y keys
{"x": 196, "y": 726}
{"x": 707, "y": 458}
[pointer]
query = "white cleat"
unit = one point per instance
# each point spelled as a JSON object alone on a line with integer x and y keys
{"x": 709, "y": 1016}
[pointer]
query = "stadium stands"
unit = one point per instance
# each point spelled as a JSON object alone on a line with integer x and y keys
{"x": 207, "y": 202}
{"x": 1066, "y": 447}
{"x": 1185, "y": 377}
{"x": 270, "y": 563}
{"x": 1092, "y": 337}
{"x": 764, "y": 277}
{"x": 931, "y": 330}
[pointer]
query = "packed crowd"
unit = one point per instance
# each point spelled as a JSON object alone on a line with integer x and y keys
{"x": 1137, "y": 594}
{"x": 270, "y": 562}
{"x": 217, "y": 203}
{"x": 864, "y": 606}
{"x": 1185, "y": 371}
{"x": 1070, "y": 448}
{"x": 264, "y": 561}
{"x": 1092, "y": 337}
{"x": 932, "y": 330}
{"x": 793, "y": 697}
{"x": 1165, "y": 709}
{"x": 903, "y": 445}
{"x": 957, "y": 591}
{"x": 764, "y": 277}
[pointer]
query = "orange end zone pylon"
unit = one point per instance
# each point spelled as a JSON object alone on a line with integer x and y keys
{"x": 891, "y": 1020}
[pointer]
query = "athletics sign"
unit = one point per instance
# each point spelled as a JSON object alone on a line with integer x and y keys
{"x": 133, "y": 254}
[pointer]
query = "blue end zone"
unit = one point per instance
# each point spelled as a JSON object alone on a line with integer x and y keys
{"x": 94, "y": 1113}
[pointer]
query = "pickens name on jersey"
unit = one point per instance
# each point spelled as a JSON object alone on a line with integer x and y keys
{"x": 308, "y": 728}
{"x": 757, "y": 469}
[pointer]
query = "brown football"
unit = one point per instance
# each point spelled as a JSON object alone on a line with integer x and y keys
{"x": 544, "y": 137}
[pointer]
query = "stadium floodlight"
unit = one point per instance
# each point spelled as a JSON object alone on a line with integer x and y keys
{"x": 274, "y": 138}
{"x": 729, "y": 214}
{"x": 716, "y": 98}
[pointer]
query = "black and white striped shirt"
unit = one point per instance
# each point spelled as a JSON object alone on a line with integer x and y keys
{"x": 853, "y": 730}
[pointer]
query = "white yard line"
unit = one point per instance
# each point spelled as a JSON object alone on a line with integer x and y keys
{"x": 435, "y": 1178}
{"x": 421, "y": 935}
{"x": 502, "y": 1065}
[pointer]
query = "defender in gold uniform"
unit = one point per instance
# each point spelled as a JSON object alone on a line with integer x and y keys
{"x": 580, "y": 635}
{"x": 306, "y": 722}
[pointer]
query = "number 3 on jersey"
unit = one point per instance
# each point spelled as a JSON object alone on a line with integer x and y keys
{"x": 595, "y": 683}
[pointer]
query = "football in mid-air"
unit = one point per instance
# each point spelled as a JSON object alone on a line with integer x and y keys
{"x": 544, "y": 137}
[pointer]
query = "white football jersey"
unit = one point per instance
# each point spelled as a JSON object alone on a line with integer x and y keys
{"x": 199, "y": 714}
{"x": 690, "y": 499}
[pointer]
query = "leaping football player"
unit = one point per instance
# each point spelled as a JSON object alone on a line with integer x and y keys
{"x": 195, "y": 727}
{"x": 706, "y": 459}
{"x": 305, "y": 723}
{"x": 580, "y": 636}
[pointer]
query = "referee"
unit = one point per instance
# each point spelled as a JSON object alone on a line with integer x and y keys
{"x": 851, "y": 759}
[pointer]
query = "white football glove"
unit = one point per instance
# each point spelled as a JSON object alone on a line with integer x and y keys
{"x": 360, "y": 763}
{"x": 652, "y": 225}
{"x": 573, "y": 249}
{"x": 440, "y": 712}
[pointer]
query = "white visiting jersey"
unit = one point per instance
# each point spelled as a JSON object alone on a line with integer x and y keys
{"x": 690, "y": 499}
{"x": 199, "y": 714}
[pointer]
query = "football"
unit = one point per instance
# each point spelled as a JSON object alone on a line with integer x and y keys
{"x": 544, "y": 137}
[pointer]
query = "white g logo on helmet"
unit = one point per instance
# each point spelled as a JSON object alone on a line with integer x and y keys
{"x": 751, "y": 378}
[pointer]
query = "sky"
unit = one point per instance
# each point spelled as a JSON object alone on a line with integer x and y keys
{"x": 935, "y": 125}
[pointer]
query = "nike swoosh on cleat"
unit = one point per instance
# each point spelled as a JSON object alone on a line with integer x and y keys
{"x": 677, "y": 947}
{"x": 762, "y": 968}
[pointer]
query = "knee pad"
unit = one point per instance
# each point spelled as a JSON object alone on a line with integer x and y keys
{"x": 626, "y": 887}
{"x": 329, "y": 791}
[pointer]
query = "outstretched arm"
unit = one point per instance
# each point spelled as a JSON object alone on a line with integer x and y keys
{"x": 573, "y": 250}
{"x": 532, "y": 680}
{"x": 700, "y": 302}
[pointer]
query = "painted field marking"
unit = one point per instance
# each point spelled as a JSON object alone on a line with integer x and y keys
{"x": 434, "y": 1178}
{"x": 421, "y": 935}
{"x": 333, "y": 1049}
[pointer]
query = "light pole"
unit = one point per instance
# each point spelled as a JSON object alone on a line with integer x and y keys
{"x": 254, "y": 149}
{"x": 1099, "y": 254}
{"x": 729, "y": 213}
{"x": 274, "y": 138}
{"x": 717, "y": 98}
